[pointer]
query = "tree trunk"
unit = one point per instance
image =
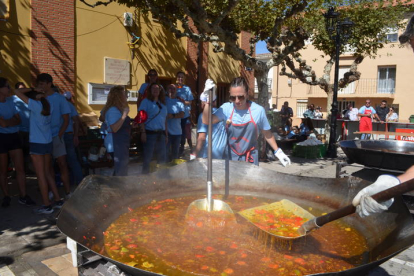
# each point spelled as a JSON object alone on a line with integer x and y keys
{"x": 261, "y": 79}
{"x": 329, "y": 100}
{"x": 263, "y": 100}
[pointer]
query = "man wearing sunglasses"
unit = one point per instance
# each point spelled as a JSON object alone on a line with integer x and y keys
{"x": 366, "y": 113}
{"x": 244, "y": 122}
{"x": 382, "y": 111}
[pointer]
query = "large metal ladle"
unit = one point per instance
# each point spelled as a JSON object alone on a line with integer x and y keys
{"x": 314, "y": 223}
{"x": 208, "y": 204}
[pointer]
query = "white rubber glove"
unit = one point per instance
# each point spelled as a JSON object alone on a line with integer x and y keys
{"x": 204, "y": 97}
{"x": 282, "y": 157}
{"x": 366, "y": 205}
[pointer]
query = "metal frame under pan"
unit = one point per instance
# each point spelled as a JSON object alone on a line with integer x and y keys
{"x": 100, "y": 200}
{"x": 383, "y": 154}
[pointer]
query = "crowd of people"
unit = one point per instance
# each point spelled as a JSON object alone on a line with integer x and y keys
{"x": 305, "y": 129}
{"x": 164, "y": 119}
{"x": 43, "y": 124}
{"x": 365, "y": 115}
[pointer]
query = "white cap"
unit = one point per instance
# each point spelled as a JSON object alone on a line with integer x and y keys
{"x": 209, "y": 85}
{"x": 67, "y": 95}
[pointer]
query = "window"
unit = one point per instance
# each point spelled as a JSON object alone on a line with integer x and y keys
{"x": 344, "y": 104}
{"x": 386, "y": 79}
{"x": 301, "y": 107}
{"x": 390, "y": 35}
{"x": 98, "y": 93}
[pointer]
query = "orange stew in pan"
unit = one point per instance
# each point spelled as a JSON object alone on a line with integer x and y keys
{"x": 157, "y": 238}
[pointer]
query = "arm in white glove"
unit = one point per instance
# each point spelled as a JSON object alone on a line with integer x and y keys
{"x": 205, "y": 95}
{"x": 366, "y": 205}
{"x": 282, "y": 157}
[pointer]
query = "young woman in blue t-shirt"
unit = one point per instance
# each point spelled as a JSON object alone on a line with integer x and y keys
{"x": 117, "y": 141}
{"x": 155, "y": 137}
{"x": 244, "y": 120}
{"x": 41, "y": 146}
{"x": 10, "y": 145}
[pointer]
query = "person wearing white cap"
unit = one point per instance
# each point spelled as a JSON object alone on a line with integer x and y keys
{"x": 244, "y": 119}
{"x": 219, "y": 135}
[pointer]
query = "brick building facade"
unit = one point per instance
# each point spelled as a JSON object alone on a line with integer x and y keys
{"x": 53, "y": 38}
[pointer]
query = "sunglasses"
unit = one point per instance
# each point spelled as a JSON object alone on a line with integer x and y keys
{"x": 233, "y": 98}
{"x": 152, "y": 75}
{"x": 367, "y": 102}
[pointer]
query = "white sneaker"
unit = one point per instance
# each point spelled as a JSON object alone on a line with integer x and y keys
{"x": 43, "y": 210}
{"x": 67, "y": 196}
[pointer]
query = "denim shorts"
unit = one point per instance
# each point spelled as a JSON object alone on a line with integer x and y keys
{"x": 41, "y": 149}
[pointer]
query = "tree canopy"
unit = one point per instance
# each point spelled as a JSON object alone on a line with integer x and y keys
{"x": 285, "y": 25}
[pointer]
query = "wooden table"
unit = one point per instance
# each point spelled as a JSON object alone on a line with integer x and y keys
{"x": 386, "y": 133}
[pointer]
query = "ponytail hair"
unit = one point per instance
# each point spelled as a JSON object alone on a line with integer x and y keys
{"x": 240, "y": 82}
{"x": 45, "y": 103}
{"x": 46, "y": 106}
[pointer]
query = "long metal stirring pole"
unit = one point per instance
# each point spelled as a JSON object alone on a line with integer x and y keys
{"x": 209, "y": 153}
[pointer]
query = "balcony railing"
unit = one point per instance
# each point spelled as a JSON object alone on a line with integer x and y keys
{"x": 361, "y": 87}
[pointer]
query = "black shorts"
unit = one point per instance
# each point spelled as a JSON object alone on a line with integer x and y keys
{"x": 9, "y": 141}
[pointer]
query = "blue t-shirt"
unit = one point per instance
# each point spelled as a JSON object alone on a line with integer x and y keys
{"x": 243, "y": 116}
{"x": 60, "y": 107}
{"x": 219, "y": 135}
{"x": 303, "y": 129}
{"x": 24, "y": 113}
{"x": 309, "y": 113}
{"x": 112, "y": 116}
{"x": 185, "y": 93}
{"x": 156, "y": 115}
{"x": 362, "y": 110}
{"x": 40, "y": 126}
{"x": 174, "y": 106}
{"x": 143, "y": 87}
{"x": 72, "y": 114}
{"x": 7, "y": 111}
{"x": 291, "y": 134}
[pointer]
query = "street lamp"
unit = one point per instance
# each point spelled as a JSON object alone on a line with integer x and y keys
{"x": 339, "y": 32}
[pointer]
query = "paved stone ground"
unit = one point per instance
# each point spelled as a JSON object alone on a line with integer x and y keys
{"x": 31, "y": 244}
